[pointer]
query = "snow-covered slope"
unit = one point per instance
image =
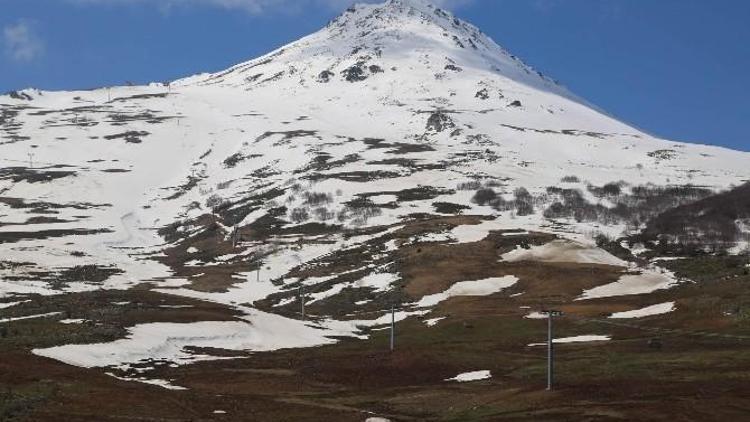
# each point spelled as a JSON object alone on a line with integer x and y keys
{"x": 390, "y": 111}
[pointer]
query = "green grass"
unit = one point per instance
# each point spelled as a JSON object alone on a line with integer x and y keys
{"x": 16, "y": 401}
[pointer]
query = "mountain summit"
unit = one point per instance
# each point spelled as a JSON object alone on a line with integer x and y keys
{"x": 383, "y": 36}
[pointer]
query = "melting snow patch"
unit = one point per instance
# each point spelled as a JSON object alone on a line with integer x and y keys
{"x": 169, "y": 341}
{"x": 378, "y": 281}
{"x": 333, "y": 291}
{"x": 576, "y": 339}
{"x": 15, "y": 287}
{"x": 518, "y": 233}
{"x": 49, "y": 314}
{"x": 433, "y": 321}
{"x": 352, "y": 327}
{"x": 72, "y": 321}
{"x": 158, "y": 382}
{"x": 484, "y": 287}
{"x": 471, "y": 376}
{"x": 658, "y": 309}
{"x": 384, "y": 199}
{"x": 740, "y": 248}
{"x": 431, "y": 237}
{"x": 474, "y": 233}
{"x": 564, "y": 251}
{"x": 11, "y": 304}
{"x": 284, "y": 302}
{"x": 648, "y": 281}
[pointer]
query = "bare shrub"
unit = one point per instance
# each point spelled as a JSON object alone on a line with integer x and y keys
{"x": 299, "y": 215}
{"x": 524, "y": 202}
{"x": 470, "y": 185}
{"x": 224, "y": 185}
{"x": 484, "y": 196}
{"x": 317, "y": 198}
{"x": 214, "y": 201}
{"x": 233, "y": 160}
{"x": 634, "y": 209}
{"x": 359, "y": 211}
{"x": 607, "y": 191}
{"x": 323, "y": 214}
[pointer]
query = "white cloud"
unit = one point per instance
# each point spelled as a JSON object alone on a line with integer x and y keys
{"x": 257, "y": 7}
{"x": 21, "y": 43}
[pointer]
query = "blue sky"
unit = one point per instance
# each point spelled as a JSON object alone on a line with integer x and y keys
{"x": 679, "y": 69}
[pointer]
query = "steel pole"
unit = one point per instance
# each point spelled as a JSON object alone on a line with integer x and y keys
{"x": 302, "y": 300}
{"x": 550, "y": 353}
{"x": 393, "y": 327}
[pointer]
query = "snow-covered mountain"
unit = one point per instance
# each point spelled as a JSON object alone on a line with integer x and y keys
{"x": 239, "y": 186}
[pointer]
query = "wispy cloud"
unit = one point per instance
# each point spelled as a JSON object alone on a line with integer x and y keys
{"x": 21, "y": 43}
{"x": 255, "y": 7}
{"x": 545, "y": 6}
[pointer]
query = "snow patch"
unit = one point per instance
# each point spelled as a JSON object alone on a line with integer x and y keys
{"x": 49, "y": 314}
{"x": 475, "y": 232}
{"x": 433, "y": 321}
{"x": 658, "y": 309}
{"x": 168, "y": 341}
{"x": 12, "y": 304}
{"x": 157, "y": 382}
{"x": 648, "y": 281}
{"x": 72, "y": 321}
{"x": 471, "y": 376}
{"x": 564, "y": 251}
{"x": 575, "y": 339}
{"x": 483, "y": 287}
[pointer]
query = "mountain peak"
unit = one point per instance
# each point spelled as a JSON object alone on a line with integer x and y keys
{"x": 398, "y": 5}
{"x": 408, "y": 10}
{"x": 421, "y": 5}
{"x": 395, "y": 34}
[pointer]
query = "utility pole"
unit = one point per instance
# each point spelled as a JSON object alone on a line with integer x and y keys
{"x": 393, "y": 327}
{"x": 235, "y": 235}
{"x": 550, "y": 347}
{"x": 302, "y": 300}
{"x": 31, "y": 160}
